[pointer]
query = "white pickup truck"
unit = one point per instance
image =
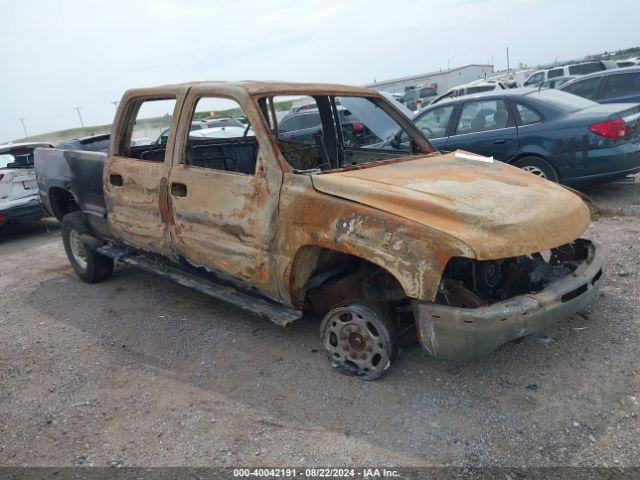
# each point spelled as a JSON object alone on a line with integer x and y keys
{"x": 19, "y": 200}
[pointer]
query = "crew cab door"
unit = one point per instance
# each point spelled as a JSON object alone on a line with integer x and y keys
{"x": 224, "y": 192}
{"x": 135, "y": 177}
{"x": 486, "y": 127}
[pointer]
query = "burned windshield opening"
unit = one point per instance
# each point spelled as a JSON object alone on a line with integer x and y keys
{"x": 323, "y": 133}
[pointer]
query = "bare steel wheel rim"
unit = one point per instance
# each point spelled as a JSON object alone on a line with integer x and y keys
{"x": 78, "y": 249}
{"x": 535, "y": 170}
{"x": 357, "y": 341}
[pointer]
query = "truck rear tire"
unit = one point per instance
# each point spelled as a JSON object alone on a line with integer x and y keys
{"x": 88, "y": 264}
{"x": 360, "y": 339}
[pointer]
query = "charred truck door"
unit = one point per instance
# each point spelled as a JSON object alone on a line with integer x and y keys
{"x": 224, "y": 190}
{"x": 135, "y": 177}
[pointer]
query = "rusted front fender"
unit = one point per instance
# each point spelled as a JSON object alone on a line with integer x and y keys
{"x": 468, "y": 334}
{"x": 414, "y": 254}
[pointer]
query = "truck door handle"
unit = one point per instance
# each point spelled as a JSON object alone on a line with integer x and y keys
{"x": 499, "y": 142}
{"x": 178, "y": 189}
{"x": 116, "y": 180}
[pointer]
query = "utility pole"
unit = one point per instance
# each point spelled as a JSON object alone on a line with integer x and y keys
{"x": 26, "y": 134}
{"x": 508, "y": 57}
{"x": 116, "y": 102}
{"x": 77, "y": 109}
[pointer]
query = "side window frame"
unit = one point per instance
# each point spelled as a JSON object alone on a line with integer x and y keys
{"x": 181, "y": 148}
{"x": 123, "y": 129}
{"x": 513, "y": 105}
{"x": 324, "y": 106}
{"x": 605, "y": 82}
{"x": 553, "y": 71}
{"x": 447, "y": 128}
{"x": 541, "y": 73}
{"x": 597, "y": 89}
{"x": 511, "y": 123}
{"x": 388, "y": 109}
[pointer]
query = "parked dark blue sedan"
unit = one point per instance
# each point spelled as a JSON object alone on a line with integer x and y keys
{"x": 552, "y": 134}
{"x": 621, "y": 85}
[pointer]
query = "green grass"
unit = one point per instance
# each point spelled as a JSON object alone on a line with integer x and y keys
{"x": 153, "y": 122}
{"x": 53, "y": 137}
{"x": 623, "y": 54}
{"x": 232, "y": 112}
{"x": 284, "y": 106}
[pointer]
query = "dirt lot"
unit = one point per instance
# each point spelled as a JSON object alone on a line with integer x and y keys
{"x": 141, "y": 371}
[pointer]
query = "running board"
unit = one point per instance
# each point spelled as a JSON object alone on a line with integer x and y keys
{"x": 277, "y": 313}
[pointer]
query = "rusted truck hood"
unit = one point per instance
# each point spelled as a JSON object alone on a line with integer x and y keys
{"x": 496, "y": 209}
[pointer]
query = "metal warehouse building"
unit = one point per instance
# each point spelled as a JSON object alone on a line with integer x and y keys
{"x": 442, "y": 80}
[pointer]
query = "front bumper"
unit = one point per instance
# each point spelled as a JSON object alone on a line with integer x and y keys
{"x": 30, "y": 211}
{"x": 467, "y": 334}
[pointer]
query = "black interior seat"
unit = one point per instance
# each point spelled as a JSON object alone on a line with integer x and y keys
{"x": 153, "y": 153}
{"x": 232, "y": 155}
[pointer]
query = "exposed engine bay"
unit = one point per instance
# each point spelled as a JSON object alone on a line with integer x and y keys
{"x": 468, "y": 283}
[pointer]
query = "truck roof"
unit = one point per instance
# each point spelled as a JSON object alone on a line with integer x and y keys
{"x": 253, "y": 87}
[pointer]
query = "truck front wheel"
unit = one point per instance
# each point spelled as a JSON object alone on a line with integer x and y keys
{"x": 360, "y": 339}
{"x": 88, "y": 264}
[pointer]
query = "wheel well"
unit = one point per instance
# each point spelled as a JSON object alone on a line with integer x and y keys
{"x": 534, "y": 155}
{"x": 525, "y": 155}
{"x": 62, "y": 202}
{"x": 539, "y": 157}
{"x": 322, "y": 279}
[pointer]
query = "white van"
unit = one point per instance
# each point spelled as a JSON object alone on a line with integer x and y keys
{"x": 537, "y": 77}
{"x": 477, "y": 86}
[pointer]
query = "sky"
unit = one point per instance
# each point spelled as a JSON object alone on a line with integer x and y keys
{"x": 60, "y": 54}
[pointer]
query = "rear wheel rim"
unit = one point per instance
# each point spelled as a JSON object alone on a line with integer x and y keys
{"x": 357, "y": 341}
{"x": 535, "y": 170}
{"x": 78, "y": 249}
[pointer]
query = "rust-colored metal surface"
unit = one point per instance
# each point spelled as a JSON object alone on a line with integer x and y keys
{"x": 414, "y": 254}
{"x": 272, "y": 230}
{"x": 134, "y": 207}
{"x": 496, "y": 209}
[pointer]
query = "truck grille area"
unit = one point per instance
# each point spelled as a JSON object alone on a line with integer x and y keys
{"x": 468, "y": 283}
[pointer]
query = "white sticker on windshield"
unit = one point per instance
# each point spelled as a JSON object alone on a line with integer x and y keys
{"x": 477, "y": 158}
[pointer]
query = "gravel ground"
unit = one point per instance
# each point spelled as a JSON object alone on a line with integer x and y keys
{"x": 141, "y": 371}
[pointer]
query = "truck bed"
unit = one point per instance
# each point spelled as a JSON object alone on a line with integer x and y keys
{"x": 76, "y": 172}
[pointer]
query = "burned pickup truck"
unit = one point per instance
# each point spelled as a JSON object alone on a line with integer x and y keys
{"x": 387, "y": 244}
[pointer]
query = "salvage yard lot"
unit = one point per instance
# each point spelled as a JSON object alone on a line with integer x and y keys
{"x": 141, "y": 371}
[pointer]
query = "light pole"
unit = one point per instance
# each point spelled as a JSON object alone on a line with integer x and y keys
{"x": 77, "y": 109}
{"x": 26, "y": 134}
{"x": 115, "y": 103}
